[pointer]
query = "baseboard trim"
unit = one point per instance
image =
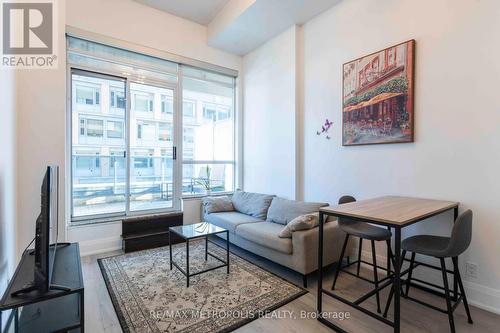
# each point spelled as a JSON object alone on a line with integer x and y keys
{"x": 478, "y": 295}
{"x": 483, "y": 297}
{"x": 92, "y": 247}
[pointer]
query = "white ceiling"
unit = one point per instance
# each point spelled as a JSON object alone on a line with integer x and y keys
{"x": 240, "y": 26}
{"x": 263, "y": 20}
{"x": 199, "y": 11}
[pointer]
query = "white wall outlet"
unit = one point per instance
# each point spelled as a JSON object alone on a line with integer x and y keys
{"x": 471, "y": 270}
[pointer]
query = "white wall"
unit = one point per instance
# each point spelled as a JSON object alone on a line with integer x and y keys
{"x": 7, "y": 177}
{"x": 42, "y": 100}
{"x": 455, "y": 155}
{"x": 270, "y": 116}
{"x": 41, "y": 118}
{"x": 133, "y": 22}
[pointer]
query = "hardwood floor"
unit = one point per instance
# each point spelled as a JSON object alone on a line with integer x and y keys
{"x": 100, "y": 315}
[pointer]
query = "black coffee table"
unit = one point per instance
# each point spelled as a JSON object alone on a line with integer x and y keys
{"x": 195, "y": 231}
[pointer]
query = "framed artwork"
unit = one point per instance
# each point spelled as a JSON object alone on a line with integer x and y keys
{"x": 377, "y": 97}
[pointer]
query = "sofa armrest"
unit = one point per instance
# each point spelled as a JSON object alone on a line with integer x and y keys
{"x": 305, "y": 247}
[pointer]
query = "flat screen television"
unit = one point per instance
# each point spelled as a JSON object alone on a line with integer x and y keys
{"x": 45, "y": 234}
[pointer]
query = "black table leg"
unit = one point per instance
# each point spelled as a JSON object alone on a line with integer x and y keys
{"x": 397, "y": 280}
{"x": 388, "y": 264}
{"x": 187, "y": 262}
{"x": 16, "y": 320}
{"x": 206, "y": 248}
{"x": 320, "y": 265}
{"x": 455, "y": 278}
{"x": 227, "y": 254}
{"x": 170, "y": 247}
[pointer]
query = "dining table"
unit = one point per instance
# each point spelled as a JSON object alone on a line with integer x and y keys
{"x": 395, "y": 213}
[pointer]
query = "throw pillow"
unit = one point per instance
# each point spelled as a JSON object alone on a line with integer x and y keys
{"x": 302, "y": 222}
{"x": 217, "y": 204}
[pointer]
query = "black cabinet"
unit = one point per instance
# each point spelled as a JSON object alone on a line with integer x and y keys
{"x": 55, "y": 310}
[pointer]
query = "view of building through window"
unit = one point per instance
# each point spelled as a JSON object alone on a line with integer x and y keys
{"x": 208, "y": 135}
{"x": 101, "y": 182}
{"x": 135, "y": 146}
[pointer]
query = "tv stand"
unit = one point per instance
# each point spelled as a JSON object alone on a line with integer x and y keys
{"x": 61, "y": 308}
{"x": 31, "y": 286}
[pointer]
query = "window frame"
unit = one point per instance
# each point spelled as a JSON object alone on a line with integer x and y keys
{"x": 105, "y": 217}
{"x": 177, "y": 127}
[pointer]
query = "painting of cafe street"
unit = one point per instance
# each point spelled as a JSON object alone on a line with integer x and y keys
{"x": 378, "y": 97}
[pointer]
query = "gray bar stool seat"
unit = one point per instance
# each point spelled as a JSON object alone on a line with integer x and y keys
{"x": 441, "y": 248}
{"x": 365, "y": 230}
{"x": 434, "y": 246}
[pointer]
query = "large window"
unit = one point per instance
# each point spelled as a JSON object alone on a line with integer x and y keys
{"x": 125, "y": 157}
{"x": 208, "y": 141}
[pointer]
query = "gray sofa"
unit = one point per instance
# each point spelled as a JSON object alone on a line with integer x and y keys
{"x": 255, "y": 220}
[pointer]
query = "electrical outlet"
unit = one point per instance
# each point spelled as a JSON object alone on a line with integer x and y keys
{"x": 471, "y": 270}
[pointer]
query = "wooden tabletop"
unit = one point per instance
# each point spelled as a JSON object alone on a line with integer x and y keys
{"x": 391, "y": 210}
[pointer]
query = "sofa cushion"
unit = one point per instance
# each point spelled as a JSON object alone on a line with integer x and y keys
{"x": 265, "y": 234}
{"x": 217, "y": 204}
{"x": 230, "y": 220}
{"x": 283, "y": 211}
{"x": 254, "y": 204}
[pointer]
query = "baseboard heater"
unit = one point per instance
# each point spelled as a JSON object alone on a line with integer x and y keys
{"x": 149, "y": 231}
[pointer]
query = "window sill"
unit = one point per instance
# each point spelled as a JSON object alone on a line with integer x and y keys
{"x": 201, "y": 196}
{"x": 94, "y": 222}
{"x": 116, "y": 219}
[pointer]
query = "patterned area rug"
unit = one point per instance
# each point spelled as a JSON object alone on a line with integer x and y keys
{"x": 149, "y": 297}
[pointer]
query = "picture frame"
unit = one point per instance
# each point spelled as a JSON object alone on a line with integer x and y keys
{"x": 378, "y": 97}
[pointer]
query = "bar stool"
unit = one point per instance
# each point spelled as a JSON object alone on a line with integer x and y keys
{"x": 362, "y": 231}
{"x": 441, "y": 248}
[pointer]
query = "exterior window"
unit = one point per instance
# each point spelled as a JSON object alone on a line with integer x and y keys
{"x": 143, "y": 102}
{"x": 223, "y": 113}
{"x": 164, "y": 132}
{"x": 390, "y": 57}
{"x": 208, "y": 161}
{"x": 209, "y": 112}
{"x": 145, "y": 131}
{"x": 87, "y": 95}
{"x": 87, "y": 163}
{"x": 188, "y": 135}
{"x": 95, "y": 128}
{"x": 188, "y": 109}
{"x": 167, "y": 104}
{"x": 139, "y": 131}
{"x": 117, "y": 98}
{"x": 82, "y": 126}
{"x": 368, "y": 72}
{"x": 115, "y": 129}
{"x": 375, "y": 65}
{"x": 143, "y": 160}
